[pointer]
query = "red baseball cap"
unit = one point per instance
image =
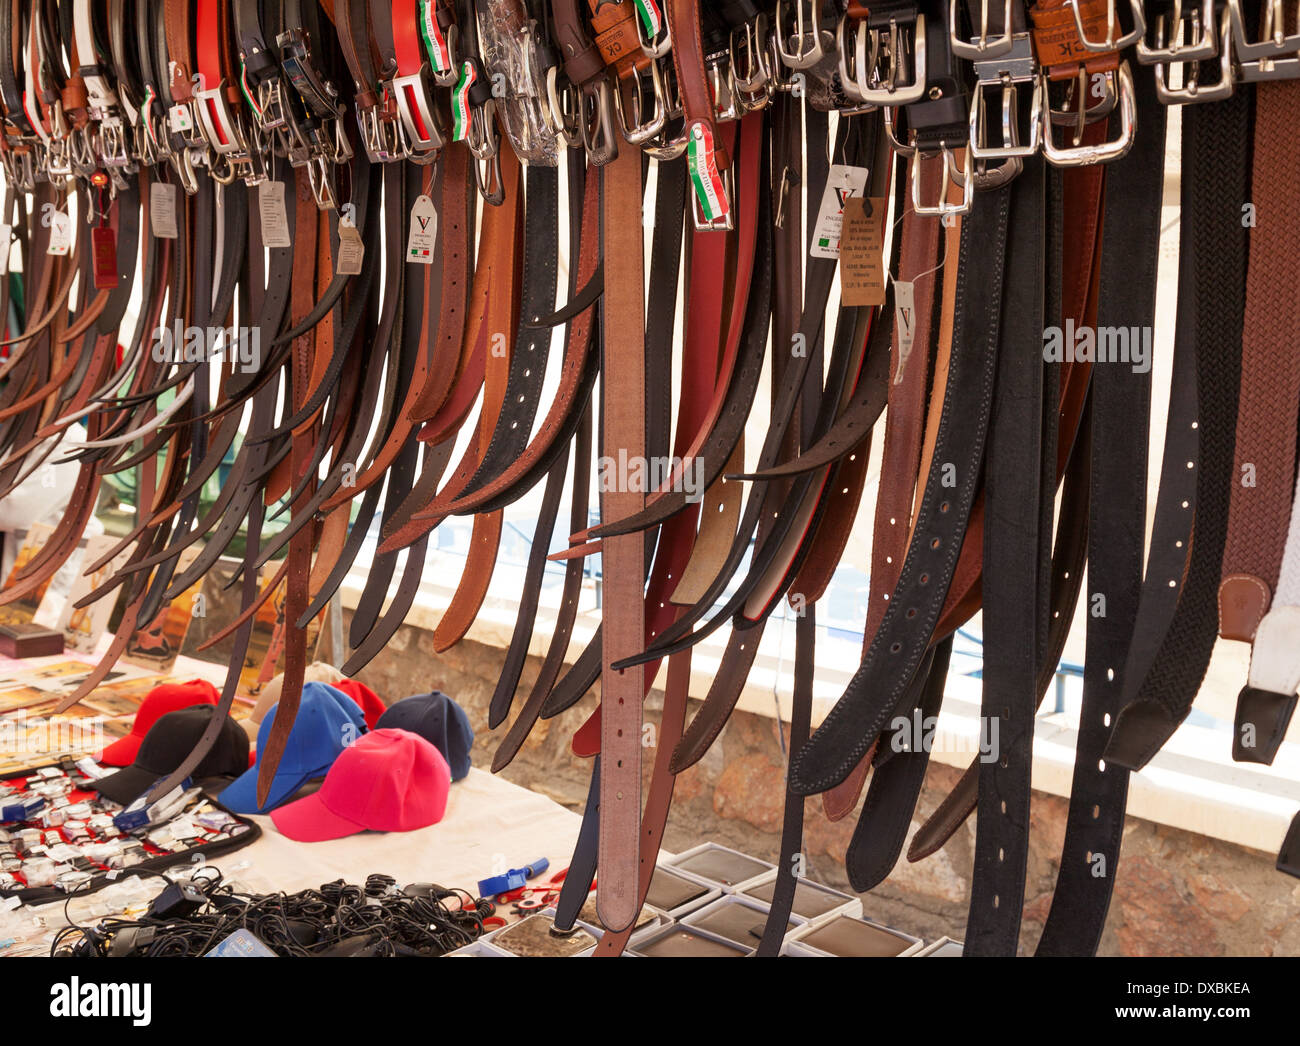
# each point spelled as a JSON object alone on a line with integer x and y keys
{"x": 371, "y": 704}
{"x": 169, "y": 697}
{"x": 386, "y": 781}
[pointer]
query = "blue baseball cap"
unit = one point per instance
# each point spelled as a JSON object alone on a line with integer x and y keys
{"x": 439, "y": 720}
{"x": 327, "y": 722}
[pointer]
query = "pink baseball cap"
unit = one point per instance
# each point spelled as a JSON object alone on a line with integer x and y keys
{"x": 164, "y": 698}
{"x": 371, "y": 704}
{"x": 387, "y": 781}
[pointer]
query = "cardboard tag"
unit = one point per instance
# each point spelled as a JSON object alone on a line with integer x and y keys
{"x": 352, "y": 251}
{"x": 904, "y": 324}
{"x": 60, "y": 233}
{"x": 103, "y": 248}
{"x": 842, "y": 183}
{"x": 162, "y": 210}
{"x": 862, "y": 252}
{"x": 180, "y": 118}
{"x": 424, "y": 232}
{"x": 275, "y": 219}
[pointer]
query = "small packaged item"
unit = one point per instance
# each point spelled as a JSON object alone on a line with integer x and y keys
{"x": 22, "y": 807}
{"x": 69, "y": 881}
{"x": 127, "y": 858}
{"x": 63, "y": 853}
{"x": 50, "y": 772}
{"x": 8, "y": 882}
{"x": 41, "y": 871}
{"x": 83, "y": 811}
{"x": 76, "y": 831}
{"x": 52, "y": 838}
{"x": 28, "y": 838}
{"x": 54, "y": 816}
{"x": 216, "y": 820}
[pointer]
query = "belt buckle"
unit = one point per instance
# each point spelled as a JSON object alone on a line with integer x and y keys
{"x": 422, "y": 132}
{"x": 1016, "y": 65}
{"x": 983, "y": 47}
{"x": 1192, "y": 90}
{"x": 563, "y": 109}
{"x": 1273, "y": 59}
{"x": 965, "y": 178}
{"x": 317, "y": 94}
{"x": 895, "y": 51}
{"x": 643, "y": 128}
{"x": 863, "y": 64}
{"x": 751, "y": 72}
{"x": 1166, "y": 46}
{"x": 807, "y": 31}
{"x": 1083, "y": 155}
{"x": 726, "y": 107}
{"x": 381, "y": 135}
{"x": 652, "y": 29}
{"x": 221, "y": 127}
{"x": 1112, "y": 24}
{"x": 596, "y": 122}
{"x": 485, "y": 146}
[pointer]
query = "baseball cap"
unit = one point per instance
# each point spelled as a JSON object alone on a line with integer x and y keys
{"x": 164, "y": 698}
{"x": 371, "y": 704}
{"x": 317, "y": 672}
{"x": 388, "y": 781}
{"x": 326, "y": 724}
{"x": 439, "y": 720}
{"x": 167, "y": 744}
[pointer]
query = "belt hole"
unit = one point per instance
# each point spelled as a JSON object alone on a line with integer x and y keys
{"x": 896, "y": 648}
{"x": 924, "y": 579}
{"x": 935, "y": 543}
{"x": 1101, "y": 765}
{"x": 1096, "y": 812}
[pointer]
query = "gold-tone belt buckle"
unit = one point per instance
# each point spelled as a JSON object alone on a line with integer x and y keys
{"x": 1077, "y": 155}
{"x": 1192, "y": 90}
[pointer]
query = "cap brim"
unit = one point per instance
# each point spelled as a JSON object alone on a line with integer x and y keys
{"x": 121, "y": 752}
{"x": 241, "y": 796}
{"x": 309, "y": 821}
{"x": 126, "y": 786}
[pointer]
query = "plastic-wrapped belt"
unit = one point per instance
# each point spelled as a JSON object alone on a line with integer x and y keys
{"x": 1178, "y": 614}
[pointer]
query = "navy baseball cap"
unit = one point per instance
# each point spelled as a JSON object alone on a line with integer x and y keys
{"x": 326, "y": 723}
{"x": 438, "y": 719}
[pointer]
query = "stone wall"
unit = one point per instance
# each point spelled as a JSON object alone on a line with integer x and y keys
{"x": 1178, "y": 893}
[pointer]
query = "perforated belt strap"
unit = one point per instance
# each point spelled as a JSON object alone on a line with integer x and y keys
{"x": 623, "y": 557}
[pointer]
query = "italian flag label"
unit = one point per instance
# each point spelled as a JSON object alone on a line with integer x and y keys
{"x": 461, "y": 116}
{"x": 703, "y": 166}
{"x": 434, "y": 40}
{"x": 651, "y": 20}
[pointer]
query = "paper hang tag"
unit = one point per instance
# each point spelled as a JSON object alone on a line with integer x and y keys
{"x": 103, "y": 248}
{"x": 862, "y": 252}
{"x": 352, "y": 251}
{"x": 424, "y": 232}
{"x": 275, "y": 219}
{"x": 162, "y": 210}
{"x": 904, "y": 325}
{"x": 842, "y": 183}
{"x": 60, "y": 233}
{"x": 180, "y": 118}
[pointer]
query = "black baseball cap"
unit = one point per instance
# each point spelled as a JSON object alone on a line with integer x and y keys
{"x": 167, "y": 744}
{"x": 438, "y": 719}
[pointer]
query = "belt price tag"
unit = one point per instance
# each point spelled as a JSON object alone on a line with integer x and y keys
{"x": 862, "y": 252}
{"x": 180, "y": 118}
{"x": 904, "y": 324}
{"x": 275, "y": 219}
{"x": 424, "y": 232}
{"x": 103, "y": 248}
{"x": 60, "y": 232}
{"x": 352, "y": 251}
{"x": 842, "y": 183}
{"x": 162, "y": 210}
